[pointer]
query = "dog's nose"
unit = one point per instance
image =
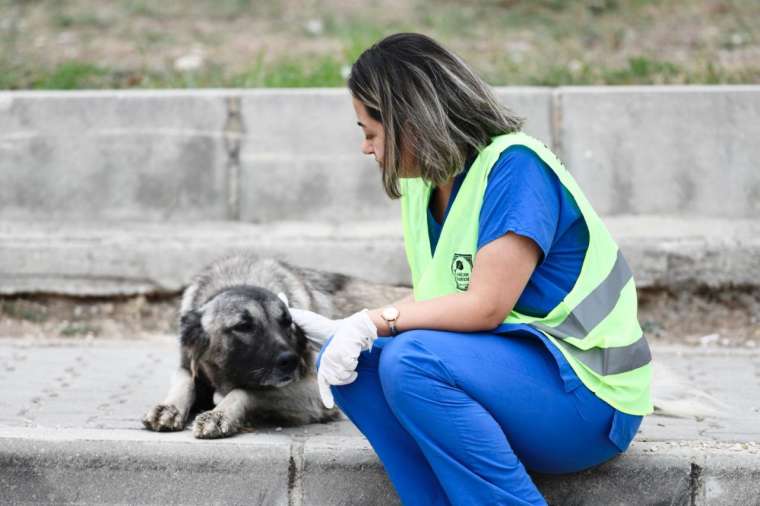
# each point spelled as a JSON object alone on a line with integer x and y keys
{"x": 287, "y": 361}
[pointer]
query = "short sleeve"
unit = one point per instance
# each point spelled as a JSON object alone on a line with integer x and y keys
{"x": 522, "y": 196}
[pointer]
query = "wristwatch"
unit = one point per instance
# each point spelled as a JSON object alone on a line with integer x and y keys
{"x": 390, "y": 315}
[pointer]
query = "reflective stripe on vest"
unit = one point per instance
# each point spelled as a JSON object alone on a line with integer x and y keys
{"x": 595, "y": 325}
{"x": 613, "y": 360}
{"x": 588, "y": 314}
{"x": 595, "y": 307}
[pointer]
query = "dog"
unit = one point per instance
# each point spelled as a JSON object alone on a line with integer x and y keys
{"x": 242, "y": 359}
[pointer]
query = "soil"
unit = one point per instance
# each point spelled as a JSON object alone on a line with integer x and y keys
{"x": 695, "y": 316}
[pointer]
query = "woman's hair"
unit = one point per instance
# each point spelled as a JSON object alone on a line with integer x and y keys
{"x": 435, "y": 111}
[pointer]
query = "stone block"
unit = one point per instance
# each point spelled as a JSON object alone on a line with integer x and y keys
{"x": 682, "y": 150}
{"x": 110, "y": 472}
{"x": 635, "y": 477}
{"x": 301, "y": 160}
{"x": 534, "y": 105}
{"x": 330, "y": 189}
{"x": 344, "y": 471}
{"x": 98, "y": 259}
{"x": 730, "y": 478}
{"x": 112, "y": 155}
{"x": 301, "y": 155}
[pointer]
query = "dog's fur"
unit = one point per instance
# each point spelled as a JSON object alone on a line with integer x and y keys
{"x": 239, "y": 346}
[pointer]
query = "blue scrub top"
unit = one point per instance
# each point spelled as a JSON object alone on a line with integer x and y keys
{"x": 524, "y": 196}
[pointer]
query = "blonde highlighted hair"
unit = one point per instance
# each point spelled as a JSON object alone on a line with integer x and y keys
{"x": 435, "y": 111}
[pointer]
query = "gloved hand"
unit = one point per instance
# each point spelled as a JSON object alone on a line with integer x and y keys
{"x": 317, "y": 328}
{"x": 352, "y": 335}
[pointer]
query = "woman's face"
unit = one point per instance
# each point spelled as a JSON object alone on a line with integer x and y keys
{"x": 374, "y": 135}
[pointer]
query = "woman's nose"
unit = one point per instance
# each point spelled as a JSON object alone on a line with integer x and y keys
{"x": 367, "y": 148}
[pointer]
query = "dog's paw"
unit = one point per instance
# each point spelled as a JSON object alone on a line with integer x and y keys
{"x": 214, "y": 424}
{"x": 163, "y": 417}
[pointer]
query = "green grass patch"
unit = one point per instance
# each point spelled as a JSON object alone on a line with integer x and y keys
{"x": 142, "y": 8}
{"x": 357, "y": 33}
{"x": 642, "y": 70}
{"x": 72, "y": 329}
{"x": 71, "y": 75}
{"x": 327, "y": 71}
{"x": 62, "y": 19}
{"x": 11, "y": 77}
{"x": 23, "y": 311}
{"x": 293, "y": 73}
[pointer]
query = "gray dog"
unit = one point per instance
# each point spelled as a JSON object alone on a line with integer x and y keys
{"x": 240, "y": 348}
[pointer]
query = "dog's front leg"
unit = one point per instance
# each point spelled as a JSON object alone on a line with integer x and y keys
{"x": 226, "y": 418}
{"x": 171, "y": 414}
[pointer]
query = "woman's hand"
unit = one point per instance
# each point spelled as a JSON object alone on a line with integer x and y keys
{"x": 351, "y": 336}
{"x": 317, "y": 328}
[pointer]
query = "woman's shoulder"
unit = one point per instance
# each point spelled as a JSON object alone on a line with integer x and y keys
{"x": 520, "y": 170}
{"x": 519, "y": 158}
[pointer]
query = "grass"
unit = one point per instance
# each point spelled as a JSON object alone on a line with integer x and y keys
{"x": 508, "y": 42}
{"x": 72, "y": 75}
{"x": 64, "y": 20}
{"x": 329, "y": 71}
{"x": 72, "y": 329}
{"x": 289, "y": 73}
{"x": 23, "y": 311}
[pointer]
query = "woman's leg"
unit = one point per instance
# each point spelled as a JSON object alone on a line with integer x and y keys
{"x": 483, "y": 406}
{"x": 364, "y": 404}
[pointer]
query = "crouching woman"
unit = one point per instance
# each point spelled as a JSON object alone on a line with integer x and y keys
{"x": 520, "y": 348}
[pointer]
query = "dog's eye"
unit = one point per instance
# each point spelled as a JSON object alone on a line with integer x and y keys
{"x": 243, "y": 326}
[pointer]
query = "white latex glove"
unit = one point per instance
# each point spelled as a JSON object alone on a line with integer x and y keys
{"x": 337, "y": 366}
{"x": 317, "y": 328}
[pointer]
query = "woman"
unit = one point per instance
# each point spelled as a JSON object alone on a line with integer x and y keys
{"x": 520, "y": 348}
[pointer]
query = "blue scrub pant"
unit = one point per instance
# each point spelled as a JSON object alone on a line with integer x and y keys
{"x": 456, "y": 418}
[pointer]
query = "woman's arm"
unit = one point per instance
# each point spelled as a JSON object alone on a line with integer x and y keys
{"x": 501, "y": 271}
{"x": 408, "y": 298}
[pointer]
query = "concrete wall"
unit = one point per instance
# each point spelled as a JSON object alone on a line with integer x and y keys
{"x": 112, "y": 155}
{"x": 270, "y": 155}
{"x": 674, "y": 150}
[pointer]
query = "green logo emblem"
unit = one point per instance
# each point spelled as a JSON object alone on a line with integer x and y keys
{"x": 461, "y": 267}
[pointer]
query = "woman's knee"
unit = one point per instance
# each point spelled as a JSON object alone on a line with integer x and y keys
{"x": 397, "y": 352}
{"x": 406, "y": 359}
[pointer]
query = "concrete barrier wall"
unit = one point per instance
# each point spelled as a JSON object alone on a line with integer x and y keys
{"x": 269, "y": 155}
{"x": 112, "y": 155}
{"x": 653, "y": 150}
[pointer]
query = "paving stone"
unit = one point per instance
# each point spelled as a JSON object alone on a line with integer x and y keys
{"x": 87, "y": 445}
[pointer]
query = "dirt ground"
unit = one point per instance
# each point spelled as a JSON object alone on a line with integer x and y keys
{"x": 699, "y": 317}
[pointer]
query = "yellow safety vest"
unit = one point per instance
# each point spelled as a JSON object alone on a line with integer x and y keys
{"x": 595, "y": 326}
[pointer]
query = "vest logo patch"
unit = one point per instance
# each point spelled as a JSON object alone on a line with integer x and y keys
{"x": 461, "y": 267}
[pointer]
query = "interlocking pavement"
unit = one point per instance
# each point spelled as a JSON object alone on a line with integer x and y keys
{"x": 70, "y": 431}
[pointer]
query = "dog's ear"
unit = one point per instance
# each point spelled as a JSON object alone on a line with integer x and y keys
{"x": 302, "y": 339}
{"x": 193, "y": 337}
{"x": 191, "y": 333}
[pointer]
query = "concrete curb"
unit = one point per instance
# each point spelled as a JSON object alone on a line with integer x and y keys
{"x": 107, "y": 467}
{"x": 98, "y": 258}
{"x": 70, "y": 433}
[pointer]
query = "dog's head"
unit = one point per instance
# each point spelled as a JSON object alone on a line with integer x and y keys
{"x": 247, "y": 333}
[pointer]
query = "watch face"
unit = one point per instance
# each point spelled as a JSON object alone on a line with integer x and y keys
{"x": 390, "y": 313}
